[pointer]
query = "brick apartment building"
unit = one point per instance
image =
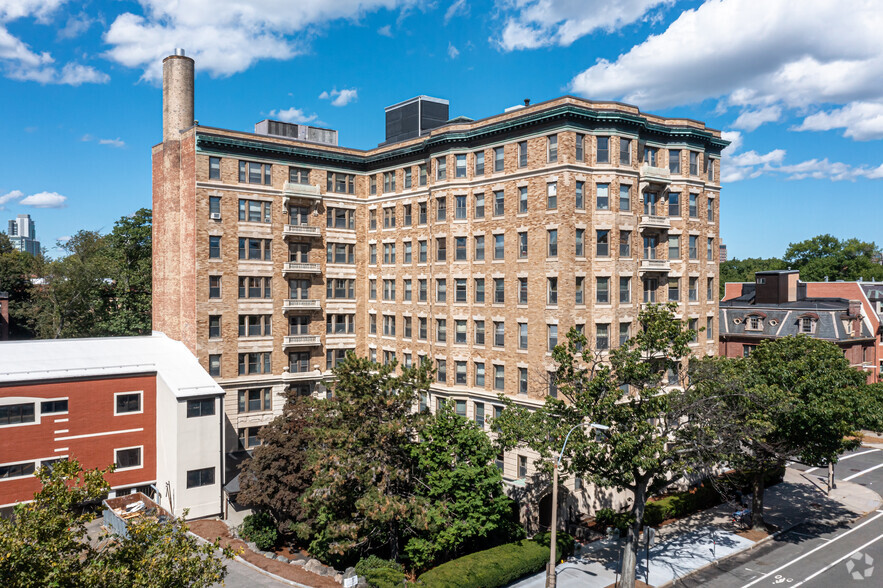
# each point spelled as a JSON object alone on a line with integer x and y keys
{"x": 476, "y": 244}
{"x": 777, "y": 304}
{"x": 143, "y": 403}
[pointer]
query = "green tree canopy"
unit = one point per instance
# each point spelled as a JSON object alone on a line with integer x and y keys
{"x": 16, "y": 270}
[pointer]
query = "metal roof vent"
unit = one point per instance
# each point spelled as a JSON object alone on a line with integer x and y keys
{"x": 179, "y": 52}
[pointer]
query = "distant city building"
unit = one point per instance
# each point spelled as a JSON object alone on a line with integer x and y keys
{"x": 777, "y": 304}
{"x": 22, "y": 234}
{"x": 143, "y": 403}
{"x": 723, "y": 253}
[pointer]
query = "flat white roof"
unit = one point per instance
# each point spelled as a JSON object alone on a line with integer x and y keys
{"x": 52, "y": 359}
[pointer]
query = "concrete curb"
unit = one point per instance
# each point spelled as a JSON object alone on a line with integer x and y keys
{"x": 254, "y": 567}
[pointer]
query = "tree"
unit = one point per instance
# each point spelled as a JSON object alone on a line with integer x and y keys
{"x": 16, "y": 269}
{"x": 362, "y": 498}
{"x": 47, "y": 543}
{"x": 128, "y": 250}
{"x": 277, "y": 476}
{"x": 462, "y": 488}
{"x": 640, "y": 452}
{"x": 825, "y": 256}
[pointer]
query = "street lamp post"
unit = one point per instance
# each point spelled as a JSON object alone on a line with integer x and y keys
{"x": 551, "y": 579}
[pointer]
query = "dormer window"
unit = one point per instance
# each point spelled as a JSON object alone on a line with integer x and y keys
{"x": 807, "y": 325}
{"x": 754, "y": 323}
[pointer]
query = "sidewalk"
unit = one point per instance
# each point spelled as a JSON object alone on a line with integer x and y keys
{"x": 708, "y": 536}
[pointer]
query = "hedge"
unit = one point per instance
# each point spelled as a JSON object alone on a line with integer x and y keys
{"x": 490, "y": 568}
{"x": 380, "y": 573}
{"x": 565, "y": 543}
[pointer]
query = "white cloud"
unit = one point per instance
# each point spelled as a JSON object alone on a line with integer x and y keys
{"x": 753, "y": 54}
{"x": 118, "y": 143}
{"x": 751, "y": 119}
{"x": 45, "y": 200}
{"x": 385, "y": 31}
{"x": 457, "y": 7}
{"x": 76, "y": 26}
{"x": 64, "y": 239}
{"x": 225, "y": 36}
{"x": 863, "y": 121}
{"x": 9, "y": 197}
{"x": 529, "y": 24}
{"x": 735, "y": 139}
{"x": 41, "y": 10}
{"x": 294, "y": 115}
{"x": 453, "y": 52}
{"x": 340, "y": 97}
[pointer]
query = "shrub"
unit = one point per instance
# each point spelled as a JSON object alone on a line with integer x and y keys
{"x": 565, "y": 543}
{"x": 260, "y": 528}
{"x": 385, "y": 578}
{"x": 372, "y": 562}
{"x": 607, "y": 517}
{"x": 490, "y": 568}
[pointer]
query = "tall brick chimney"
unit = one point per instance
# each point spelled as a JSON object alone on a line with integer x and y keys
{"x": 177, "y": 95}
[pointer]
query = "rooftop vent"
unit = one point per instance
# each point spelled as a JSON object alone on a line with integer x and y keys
{"x": 275, "y": 128}
{"x": 415, "y": 117}
{"x": 179, "y": 52}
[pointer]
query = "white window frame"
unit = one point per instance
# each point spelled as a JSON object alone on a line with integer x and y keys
{"x": 118, "y": 449}
{"x": 141, "y": 403}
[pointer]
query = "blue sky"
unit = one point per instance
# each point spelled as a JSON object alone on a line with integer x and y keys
{"x": 795, "y": 84}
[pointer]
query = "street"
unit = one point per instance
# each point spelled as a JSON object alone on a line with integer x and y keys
{"x": 819, "y": 554}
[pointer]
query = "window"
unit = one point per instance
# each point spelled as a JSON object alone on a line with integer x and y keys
{"x": 460, "y": 290}
{"x": 603, "y": 155}
{"x": 202, "y": 477}
{"x": 522, "y": 290}
{"x": 479, "y": 290}
{"x": 421, "y": 251}
{"x": 674, "y": 204}
{"x": 624, "y": 333}
{"x": 692, "y": 324}
{"x": 603, "y": 243}
{"x": 602, "y": 290}
{"x": 460, "y": 248}
{"x": 580, "y": 150}
{"x": 299, "y": 289}
{"x": 479, "y": 375}
{"x": 248, "y": 437}
{"x": 479, "y": 332}
{"x": 254, "y": 173}
{"x": 553, "y": 336}
{"x": 709, "y": 168}
{"x": 499, "y": 291}
{"x": 694, "y": 163}
{"x": 372, "y": 289}
{"x": 214, "y": 286}
{"x": 421, "y": 213}
{"x": 256, "y": 400}
{"x": 338, "y": 218}
{"x": 53, "y": 406}
{"x": 422, "y": 328}
{"x": 479, "y": 163}
{"x": 408, "y": 331}
{"x": 214, "y": 365}
{"x": 479, "y": 205}
{"x": 674, "y": 289}
{"x": 423, "y": 175}
{"x": 522, "y": 335}
{"x": 650, "y": 156}
{"x": 441, "y": 330}
{"x": 602, "y": 198}
{"x": 479, "y": 248}
{"x": 441, "y": 371}
{"x": 298, "y": 175}
{"x": 343, "y": 183}
{"x": 692, "y": 290}
{"x": 709, "y": 331}
{"x": 479, "y": 409}
{"x": 807, "y": 325}
{"x": 747, "y": 349}
{"x": 214, "y": 326}
{"x": 421, "y": 290}
{"x": 254, "y": 363}
{"x": 200, "y": 407}
{"x": 441, "y": 290}
{"x": 552, "y": 291}
{"x": 522, "y": 244}
{"x": 407, "y": 174}
{"x": 499, "y": 246}
{"x": 372, "y": 254}
{"x": 389, "y": 290}
{"x": 499, "y": 378}
{"x": 389, "y": 253}
{"x": 552, "y": 144}
{"x": 553, "y": 384}
{"x": 602, "y": 336}
{"x": 407, "y": 215}
{"x": 214, "y": 168}
{"x": 459, "y": 207}
{"x": 709, "y": 203}
{"x": 552, "y": 239}
{"x": 580, "y": 290}
{"x": 694, "y": 247}
{"x": 16, "y": 414}
{"x": 522, "y": 154}
{"x": 389, "y": 218}
{"x": 499, "y": 203}
{"x": 17, "y": 470}
{"x": 127, "y": 402}
{"x": 625, "y": 152}
{"x": 129, "y": 458}
{"x": 255, "y": 249}
{"x": 372, "y": 181}
{"x": 498, "y": 159}
{"x": 214, "y": 205}
{"x": 650, "y": 201}
{"x": 674, "y": 161}
{"x": 299, "y": 362}
{"x": 389, "y": 325}
{"x": 579, "y": 197}
{"x": 552, "y": 196}
{"x": 339, "y": 288}
{"x": 214, "y": 247}
{"x": 522, "y": 200}
{"x": 522, "y": 466}
{"x": 580, "y": 245}
{"x": 499, "y": 334}
{"x": 441, "y": 208}
{"x": 441, "y": 168}
{"x": 625, "y": 243}
{"x": 460, "y": 379}
{"x": 625, "y": 203}
{"x": 522, "y": 381}
{"x": 389, "y": 181}
{"x": 341, "y": 253}
{"x": 674, "y": 247}
{"x": 338, "y": 324}
{"x": 625, "y": 289}
{"x": 254, "y": 211}
{"x": 460, "y": 332}
{"x": 709, "y": 289}
{"x": 710, "y": 249}
{"x": 694, "y": 209}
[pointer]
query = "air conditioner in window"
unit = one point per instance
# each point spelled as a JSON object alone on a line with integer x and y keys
{"x": 215, "y": 216}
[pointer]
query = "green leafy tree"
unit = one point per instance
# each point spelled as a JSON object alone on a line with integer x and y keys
{"x": 362, "y": 498}
{"x": 279, "y": 473}
{"x": 826, "y": 256}
{"x": 16, "y": 269}
{"x": 128, "y": 251}
{"x": 47, "y": 543}
{"x": 640, "y": 452}
{"x": 462, "y": 487}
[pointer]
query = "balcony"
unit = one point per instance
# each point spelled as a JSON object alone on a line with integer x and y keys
{"x": 652, "y": 221}
{"x": 300, "y": 304}
{"x": 301, "y": 341}
{"x": 293, "y": 190}
{"x": 655, "y": 265}
{"x": 655, "y": 175}
{"x": 298, "y": 267}
{"x": 301, "y": 231}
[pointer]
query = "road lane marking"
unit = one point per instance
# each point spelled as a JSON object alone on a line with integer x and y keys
{"x": 863, "y": 472}
{"x": 847, "y": 556}
{"x": 845, "y": 457}
{"x": 808, "y": 553}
